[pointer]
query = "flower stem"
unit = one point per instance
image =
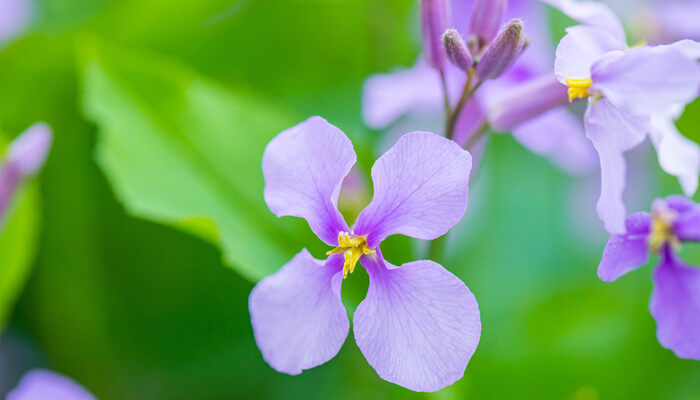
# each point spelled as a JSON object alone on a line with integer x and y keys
{"x": 467, "y": 93}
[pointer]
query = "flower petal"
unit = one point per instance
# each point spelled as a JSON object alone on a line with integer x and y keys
{"x": 418, "y": 326}
{"x": 612, "y": 133}
{"x": 298, "y": 319}
{"x": 43, "y": 384}
{"x": 675, "y": 305}
{"x": 420, "y": 189}
{"x": 646, "y": 80}
{"x": 678, "y": 156}
{"x": 304, "y": 167}
{"x": 591, "y": 13}
{"x": 687, "y": 226}
{"x": 579, "y": 49}
{"x": 626, "y": 252}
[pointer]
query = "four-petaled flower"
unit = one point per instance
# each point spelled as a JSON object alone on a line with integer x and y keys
{"x": 631, "y": 92}
{"x": 675, "y": 301}
{"x": 419, "y": 324}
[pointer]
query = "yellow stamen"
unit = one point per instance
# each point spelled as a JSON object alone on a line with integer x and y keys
{"x": 354, "y": 247}
{"x": 662, "y": 230}
{"x": 578, "y": 88}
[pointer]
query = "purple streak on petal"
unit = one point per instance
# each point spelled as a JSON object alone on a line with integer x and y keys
{"x": 418, "y": 326}
{"x": 435, "y": 17}
{"x": 677, "y": 155}
{"x": 628, "y": 251}
{"x": 612, "y": 133}
{"x": 40, "y": 384}
{"x": 420, "y": 189}
{"x": 519, "y": 103}
{"x": 646, "y": 80}
{"x": 558, "y": 136}
{"x": 304, "y": 167}
{"x": 298, "y": 319}
{"x": 486, "y": 19}
{"x": 14, "y": 15}
{"x": 579, "y": 49}
{"x": 675, "y": 305}
{"x": 470, "y": 121}
{"x": 591, "y": 13}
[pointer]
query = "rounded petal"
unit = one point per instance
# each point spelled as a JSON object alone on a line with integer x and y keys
{"x": 43, "y": 384}
{"x": 579, "y": 49}
{"x": 420, "y": 189}
{"x": 304, "y": 167}
{"x": 591, "y": 13}
{"x": 646, "y": 80}
{"x": 612, "y": 133}
{"x": 298, "y": 319}
{"x": 626, "y": 252}
{"x": 418, "y": 326}
{"x": 678, "y": 156}
{"x": 687, "y": 226}
{"x": 675, "y": 305}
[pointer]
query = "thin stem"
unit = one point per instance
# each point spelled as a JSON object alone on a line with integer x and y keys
{"x": 445, "y": 96}
{"x": 467, "y": 93}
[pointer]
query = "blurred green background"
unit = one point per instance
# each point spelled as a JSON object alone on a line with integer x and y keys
{"x": 138, "y": 277}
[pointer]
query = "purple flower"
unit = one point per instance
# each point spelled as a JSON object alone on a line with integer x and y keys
{"x": 435, "y": 15}
{"x": 675, "y": 301}
{"x": 25, "y": 156}
{"x": 42, "y": 384}
{"x": 14, "y": 15}
{"x": 627, "y": 88}
{"x": 419, "y": 324}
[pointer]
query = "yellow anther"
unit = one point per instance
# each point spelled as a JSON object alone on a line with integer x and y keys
{"x": 354, "y": 247}
{"x": 578, "y": 88}
{"x": 662, "y": 230}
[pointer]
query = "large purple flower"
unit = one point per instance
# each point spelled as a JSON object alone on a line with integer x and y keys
{"x": 675, "y": 301}
{"x": 43, "y": 384}
{"x": 419, "y": 324}
{"x": 631, "y": 92}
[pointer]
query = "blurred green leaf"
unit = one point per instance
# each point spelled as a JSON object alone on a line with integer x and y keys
{"x": 181, "y": 150}
{"x": 18, "y": 238}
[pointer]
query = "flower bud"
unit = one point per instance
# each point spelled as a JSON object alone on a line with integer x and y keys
{"x": 502, "y": 51}
{"x": 456, "y": 49}
{"x": 435, "y": 15}
{"x": 486, "y": 19}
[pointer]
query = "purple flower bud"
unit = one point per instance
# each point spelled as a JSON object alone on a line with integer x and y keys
{"x": 25, "y": 156}
{"x": 435, "y": 15}
{"x": 456, "y": 49}
{"x": 527, "y": 100}
{"x": 486, "y": 19}
{"x": 502, "y": 51}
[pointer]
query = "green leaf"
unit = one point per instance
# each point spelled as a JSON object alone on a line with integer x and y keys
{"x": 181, "y": 150}
{"x": 18, "y": 236}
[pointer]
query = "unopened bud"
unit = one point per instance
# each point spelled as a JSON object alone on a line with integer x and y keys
{"x": 456, "y": 49}
{"x": 486, "y": 19}
{"x": 502, "y": 51}
{"x": 435, "y": 15}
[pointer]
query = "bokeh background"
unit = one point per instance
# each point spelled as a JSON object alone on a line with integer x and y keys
{"x": 127, "y": 263}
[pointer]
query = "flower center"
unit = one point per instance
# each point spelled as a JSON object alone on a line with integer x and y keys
{"x": 578, "y": 88}
{"x": 662, "y": 230}
{"x": 354, "y": 247}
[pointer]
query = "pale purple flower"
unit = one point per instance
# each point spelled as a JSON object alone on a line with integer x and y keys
{"x": 39, "y": 384}
{"x": 14, "y": 16}
{"x": 435, "y": 15}
{"x": 419, "y": 324}
{"x": 626, "y": 89}
{"x": 25, "y": 156}
{"x": 675, "y": 300}
{"x": 417, "y": 92}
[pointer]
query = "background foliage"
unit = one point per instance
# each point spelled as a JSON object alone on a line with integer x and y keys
{"x": 132, "y": 308}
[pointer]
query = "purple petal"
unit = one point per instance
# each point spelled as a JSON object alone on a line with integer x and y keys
{"x": 42, "y": 384}
{"x": 678, "y": 19}
{"x": 678, "y": 156}
{"x": 591, "y": 13}
{"x": 420, "y": 189}
{"x": 435, "y": 17}
{"x": 626, "y": 252}
{"x": 687, "y": 226}
{"x": 558, "y": 136}
{"x": 14, "y": 15}
{"x": 689, "y": 48}
{"x": 304, "y": 167}
{"x": 646, "y": 80}
{"x": 418, "y": 326}
{"x": 675, "y": 305}
{"x": 28, "y": 151}
{"x": 580, "y": 49}
{"x": 612, "y": 133}
{"x": 298, "y": 319}
{"x": 470, "y": 121}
